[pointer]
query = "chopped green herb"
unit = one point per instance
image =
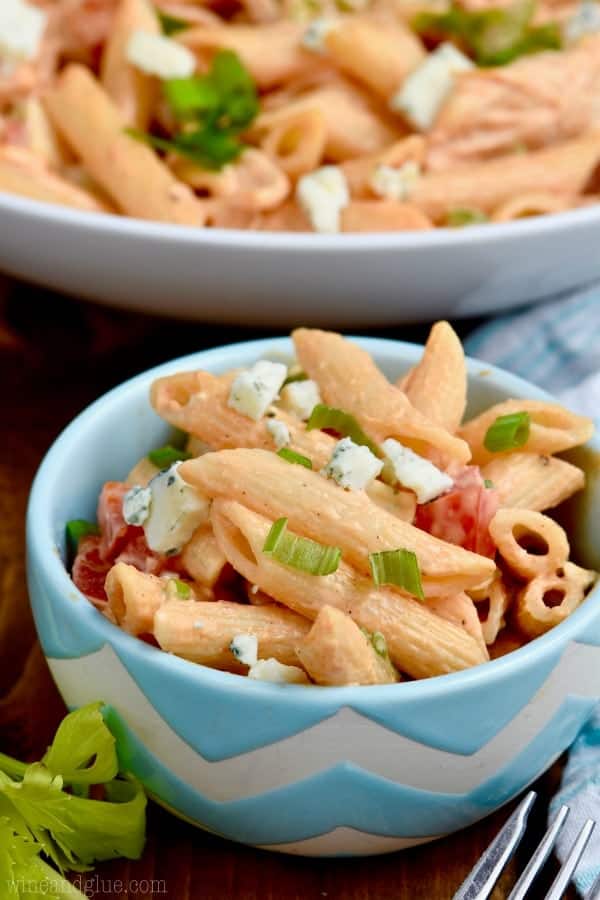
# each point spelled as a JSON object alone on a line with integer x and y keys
{"x": 299, "y": 552}
{"x": 292, "y": 457}
{"x": 399, "y": 567}
{"x": 179, "y": 589}
{"x": 343, "y": 423}
{"x": 295, "y": 374}
{"x": 461, "y": 216}
{"x": 508, "y": 432}
{"x": 488, "y": 484}
{"x": 77, "y": 529}
{"x": 379, "y": 643}
{"x": 493, "y": 37}
{"x": 164, "y": 457}
{"x": 171, "y": 25}
{"x": 214, "y": 110}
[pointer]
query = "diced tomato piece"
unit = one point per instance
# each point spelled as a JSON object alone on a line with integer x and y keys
{"x": 137, "y": 553}
{"x": 115, "y": 531}
{"x": 90, "y": 569}
{"x": 463, "y": 515}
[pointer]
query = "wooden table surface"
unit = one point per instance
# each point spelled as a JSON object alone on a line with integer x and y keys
{"x": 56, "y": 356}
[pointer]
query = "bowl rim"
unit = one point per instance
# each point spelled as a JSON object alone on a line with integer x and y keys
{"x": 269, "y": 242}
{"x": 42, "y": 549}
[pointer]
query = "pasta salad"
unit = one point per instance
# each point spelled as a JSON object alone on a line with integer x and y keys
{"x": 302, "y": 115}
{"x": 322, "y": 525}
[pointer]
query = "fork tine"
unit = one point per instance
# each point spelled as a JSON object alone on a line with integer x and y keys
{"x": 535, "y": 864}
{"x": 480, "y": 883}
{"x": 563, "y": 878}
{"x": 594, "y": 893}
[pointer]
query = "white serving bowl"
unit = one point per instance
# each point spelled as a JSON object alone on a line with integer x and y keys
{"x": 262, "y": 278}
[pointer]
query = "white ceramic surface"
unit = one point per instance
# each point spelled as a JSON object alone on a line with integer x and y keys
{"x": 282, "y": 279}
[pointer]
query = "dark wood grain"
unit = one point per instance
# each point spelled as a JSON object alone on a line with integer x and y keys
{"x": 55, "y": 357}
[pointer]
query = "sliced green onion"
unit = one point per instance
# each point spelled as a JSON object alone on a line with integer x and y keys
{"x": 379, "y": 643}
{"x": 77, "y": 529}
{"x": 488, "y": 484}
{"x": 462, "y": 216}
{"x": 171, "y": 25}
{"x": 165, "y": 456}
{"x": 508, "y": 432}
{"x": 295, "y": 375}
{"x": 299, "y": 552}
{"x": 399, "y": 567}
{"x": 343, "y": 423}
{"x": 179, "y": 589}
{"x": 292, "y": 457}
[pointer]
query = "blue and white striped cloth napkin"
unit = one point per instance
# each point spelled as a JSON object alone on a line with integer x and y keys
{"x": 557, "y": 346}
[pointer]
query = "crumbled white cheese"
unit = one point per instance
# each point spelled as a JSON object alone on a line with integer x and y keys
{"x": 279, "y": 432}
{"x": 245, "y": 648}
{"x": 415, "y": 472}
{"x": 158, "y": 55}
{"x": 323, "y": 194}
{"x": 176, "y": 510}
{"x": 395, "y": 184}
{"x": 314, "y": 36}
{"x": 272, "y": 670}
{"x": 426, "y": 87}
{"x": 136, "y": 505}
{"x": 253, "y": 390}
{"x": 352, "y": 465}
{"x": 21, "y": 30}
{"x": 300, "y": 398}
{"x": 586, "y": 20}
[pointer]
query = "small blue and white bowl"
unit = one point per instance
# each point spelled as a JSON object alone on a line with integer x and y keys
{"x": 312, "y": 771}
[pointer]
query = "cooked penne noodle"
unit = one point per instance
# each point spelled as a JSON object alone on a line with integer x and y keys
{"x": 383, "y": 215}
{"x": 132, "y": 91}
{"x": 497, "y": 597}
{"x": 202, "y": 632}
{"x": 419, "y": 642}
{"x": 553, "y": 429}
{"x": 297, "y": 142}
{"x": 42, "y": 139}
{"x": 139, "y": 183}
{"x": 202, "y": 557}
{"x": 533, "y": 481}
{"x": 320, "y": 509}
{"x": 359, "y": 172}
{"x": 24, "y": 174}
{"x": 460, "y": 609}
{"x": 530, "y": 543}
{"x": 548, "y": 599}
{"x": 437, "y": 385}
{"x": 336, "y": 652}
{"x": 142, "y": 472}
{"x": 378, "y": 54}
{"x": 197, "y": 402}
{"x": 348, "y": 378}
{"x": 532, "y": 204}
{"x": 563, "y": 169}
{"x": 134, "y": 597}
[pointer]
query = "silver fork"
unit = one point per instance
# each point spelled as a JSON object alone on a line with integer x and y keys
{"x": 479, "y": 884}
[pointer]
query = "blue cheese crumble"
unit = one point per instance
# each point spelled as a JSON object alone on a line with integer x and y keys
{"x": 352, "y": 465}
{"x": 245, "y": 649}
{"x": 21, "y": 28}
{"x": 415, "y": 472}
{"x": 426, "y": 88}
{"x": 176, "y": 511}
{"x": 158, "y": 55}
{"x": 300, "y": 398}
{"x": 279, "y": 432}
{"x": 395, "y": 184}
{"x": 274, "y": 671}
{"x": 136, "y": 505}
{"x": 323, "y": 194}
{"x": 254, "y": 390}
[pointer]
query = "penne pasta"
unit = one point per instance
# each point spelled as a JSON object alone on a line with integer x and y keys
{"x": 549, "y": 598}
{"x": 197, "y": 402}
{"x": 134, "y": 597}
{"x": 132, "y": 91}
{"x": 142, "y": 472}
{"x": 297, "y": 142}
{"x": 419, "y": 642}
{"x": 383, "y": 215}
{"x": 336, "y": 652}
{"x": 139, "y": 183}
{"x": 359, "y": 172}
{"x": 348, "y": 378}
{"x": 530, "y": 543}
{"x": 202, "y": 558}
{"x": 532, "y": 204}
{"x": 202, "y": 632}
{"x": 320, "y": 509}
{"x": 492, "y": 603}
{"x": 460, "y": 609}
{"x": 437, "y": 385}
{"x": 533, "y": 481}
{"x": 553, "y": 429}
